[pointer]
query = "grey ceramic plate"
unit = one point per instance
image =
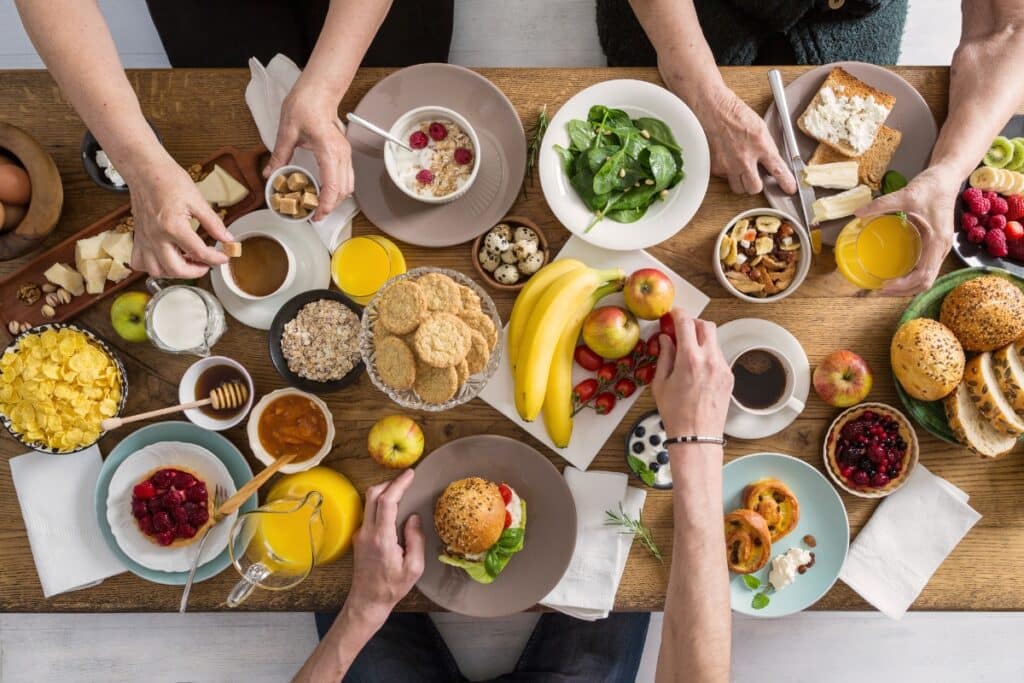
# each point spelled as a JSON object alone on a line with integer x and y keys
{"x": 502, "y": 155}
{"x": 911, "y": 116}
{"x": 550, "y": 524}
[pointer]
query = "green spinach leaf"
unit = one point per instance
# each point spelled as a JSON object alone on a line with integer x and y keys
{"x": 660, "y": 133}
{"x": 581, "y": 135}
{"x": 566, "y": 159}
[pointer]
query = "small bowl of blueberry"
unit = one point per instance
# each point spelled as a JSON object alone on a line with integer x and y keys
{"x": 646, "y": 455}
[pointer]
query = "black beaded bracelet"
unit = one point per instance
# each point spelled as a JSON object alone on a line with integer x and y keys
{"x": 717, "y": 440}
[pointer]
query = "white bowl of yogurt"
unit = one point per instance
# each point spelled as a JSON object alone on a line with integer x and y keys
{"x": 445, "y": 155}
{"x": 646, "y": 453}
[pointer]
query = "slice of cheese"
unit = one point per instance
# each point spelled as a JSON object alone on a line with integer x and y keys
{"x": 838, "y": 175}
{"x": 118, "y": 246}
{"x": 212, "y": 187}
{"x": 842, "y": 204}
{"x": 63, "y": 275}
{"x": 118, "y": 272}
{"x": 89, "y": 248}
{"x": 235, "y": 191}
{"x": 95, "y": 273}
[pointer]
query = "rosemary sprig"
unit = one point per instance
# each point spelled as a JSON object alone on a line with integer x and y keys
{"x": 635, "y": 527}
{"x": 535, "y": 137}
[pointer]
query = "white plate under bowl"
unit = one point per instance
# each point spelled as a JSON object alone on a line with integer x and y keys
{"x": 312, "y": 267}
{"x": 663, "y": 219}
{"x": 733, "y": 336}
{"x": 172, "y": 455}
{"x": 187, "y": 393}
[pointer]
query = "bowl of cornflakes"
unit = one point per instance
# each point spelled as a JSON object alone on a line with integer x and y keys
{"x": 57, "y": 383}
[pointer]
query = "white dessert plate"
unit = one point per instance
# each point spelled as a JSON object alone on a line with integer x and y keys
{"x": 135, "y": 544}
{"x": 591, "y": 431}
{"x": 733, "y": 336}
{"x": 312, "y": 267}
{"x": 663, "y": 219}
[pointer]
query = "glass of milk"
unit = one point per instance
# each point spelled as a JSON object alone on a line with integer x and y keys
{"x": 183, "y": 319}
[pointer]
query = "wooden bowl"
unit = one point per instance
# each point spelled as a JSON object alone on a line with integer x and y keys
{"x": 514, "y": 222}
{"x": 47, "y": 193}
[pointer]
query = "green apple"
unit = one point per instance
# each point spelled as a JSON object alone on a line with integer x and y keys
{"x": 396, "y": 441}
{"x": 128, "y": 316}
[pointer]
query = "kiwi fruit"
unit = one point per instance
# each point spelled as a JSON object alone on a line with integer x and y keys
{"x": 999, "y": 154}
{"x": 1017, "y": 162}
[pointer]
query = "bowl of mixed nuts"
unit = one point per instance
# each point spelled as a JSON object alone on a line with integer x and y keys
{"x": 762, "y": 255}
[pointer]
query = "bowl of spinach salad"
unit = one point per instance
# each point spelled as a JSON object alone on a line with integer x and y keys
{"x": 624, "y": 164}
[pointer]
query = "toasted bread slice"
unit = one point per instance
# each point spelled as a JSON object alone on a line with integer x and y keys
{"x": 843, "y": 85}
{"x": 1009, "y": 369}
{"x": 972, "y": 429}
{"x": 982, "y": 385}
{"x": 871, "y": 165}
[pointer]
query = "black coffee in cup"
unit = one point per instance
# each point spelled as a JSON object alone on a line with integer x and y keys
{"x": 760, "y": 379}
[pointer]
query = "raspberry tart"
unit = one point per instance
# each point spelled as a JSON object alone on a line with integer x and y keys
{"x": 870, "y": 450}
{"x": 171, "y": 506}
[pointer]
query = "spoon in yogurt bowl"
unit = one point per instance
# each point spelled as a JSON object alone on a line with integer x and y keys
{"x": 359, "y": 121}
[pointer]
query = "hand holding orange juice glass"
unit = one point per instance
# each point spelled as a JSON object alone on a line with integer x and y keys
{"x": 873, "y": 250}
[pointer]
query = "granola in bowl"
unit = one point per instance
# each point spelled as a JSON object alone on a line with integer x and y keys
{"x": 762, "y": 255}
{"x": 442, "y": 160}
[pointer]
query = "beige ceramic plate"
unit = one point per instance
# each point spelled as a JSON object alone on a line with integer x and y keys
{"x": 550, "y": 525}
{"x": 911, "y": 116}
{"x": 502, "y": 155}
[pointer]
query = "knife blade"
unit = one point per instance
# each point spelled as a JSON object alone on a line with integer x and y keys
{"x": 796, "y": 162}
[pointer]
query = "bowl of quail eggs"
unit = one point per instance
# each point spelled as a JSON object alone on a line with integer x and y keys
{"x": 509, "y": 253}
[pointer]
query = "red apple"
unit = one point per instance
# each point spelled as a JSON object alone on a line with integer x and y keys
{"x": 649, "y": 293}
{"x": 395, "y": 441}
{"x": 843, "y": 379}
{"x": 611, "y": 332}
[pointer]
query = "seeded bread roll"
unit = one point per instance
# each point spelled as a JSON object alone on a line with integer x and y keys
{"x": 985, "y": 313}
{"x": 470, "y": 516}
{"x": 927, "y": 359}
{"x": 984, "y": 389}
{"x": 1008, "y": 365}
{"x": 972, "y": 429}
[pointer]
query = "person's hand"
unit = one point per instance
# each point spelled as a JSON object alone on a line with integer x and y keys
{"x": 693, "y": 383}
{"x": 928, "y": 202}
{"x": 311, "y": 122}
{"x": 739, "y": 141}
{"x": 164, "y": 199}
{"x": 383, "y": 571}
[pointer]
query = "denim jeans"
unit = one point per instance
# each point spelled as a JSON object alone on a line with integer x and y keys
{"x": 409, "y": 649}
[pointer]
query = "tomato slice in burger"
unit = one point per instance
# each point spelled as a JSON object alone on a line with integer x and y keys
{"x": 506, "y": 494}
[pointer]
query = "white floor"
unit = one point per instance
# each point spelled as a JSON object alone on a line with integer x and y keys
{"x": 819, "y": 646}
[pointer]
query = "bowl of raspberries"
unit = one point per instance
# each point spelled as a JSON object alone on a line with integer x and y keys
{"x": 991, "y": 229}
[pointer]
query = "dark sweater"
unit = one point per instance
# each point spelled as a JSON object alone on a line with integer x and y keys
{"x": 744, "y": 32}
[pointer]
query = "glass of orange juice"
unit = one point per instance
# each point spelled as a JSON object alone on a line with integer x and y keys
{"x": 361, "y": 265}
{"x": 870, "y": 251}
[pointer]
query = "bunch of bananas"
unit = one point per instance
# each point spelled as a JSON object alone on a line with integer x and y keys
{"x": 542, "y": 333}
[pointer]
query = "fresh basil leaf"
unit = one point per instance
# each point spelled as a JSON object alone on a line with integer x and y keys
{"x": 660, "y": 133}
{"x": 581, "y": 135}
{"x": 494, "y": 562}
{"x": 511, "y": 539}
{"x": 641, "y": 469}
{"x": 753, "y": 583}
{"x": 565, "y": 158}
{"x": 760, "y": 601}
{"x": 892, "y": 181}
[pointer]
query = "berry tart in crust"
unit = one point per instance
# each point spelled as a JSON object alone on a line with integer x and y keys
{"x": 870, "y": 450}
{"x": 171, "y": 506}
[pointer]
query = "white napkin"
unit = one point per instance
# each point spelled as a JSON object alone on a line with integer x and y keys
{"x": 587, "y": 590}
{"x": 906, "y": 540}
{"x": 266, "y": 91}
{"x": 56, "y": 497}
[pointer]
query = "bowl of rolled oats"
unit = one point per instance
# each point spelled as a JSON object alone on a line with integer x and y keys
{"x": 431, "y": 339}
{"x": 314, "y": 341}
{"x": 443, "y": 156}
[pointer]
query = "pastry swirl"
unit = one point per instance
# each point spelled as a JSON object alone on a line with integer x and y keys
{"x": 748, "y": 543}
{"x": 774, "y": 501}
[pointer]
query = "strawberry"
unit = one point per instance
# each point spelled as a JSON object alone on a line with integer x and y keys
{"x": 1015, "y": 207}
{"x": 995, "y": 243}
{"x": 1014, "y": 231}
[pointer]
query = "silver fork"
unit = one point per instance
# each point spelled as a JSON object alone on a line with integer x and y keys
{"x": 220, "y": 494}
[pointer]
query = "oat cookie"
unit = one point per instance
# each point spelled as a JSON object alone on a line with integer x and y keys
{"x": 479, "y": 353}
{"x": 482, "y": 323}
{"x": 442, "y": 340}
{"x": 442, "y": 292}
{"x": 396, "y": 364}
{"x": 462, "y": 370}
{"x": 436, "y": 385}
{"x": 401, "y": 307}
{"x": 470, "y": 299}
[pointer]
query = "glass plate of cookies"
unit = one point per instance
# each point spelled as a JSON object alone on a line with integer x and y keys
{"x": 430, "y": 339}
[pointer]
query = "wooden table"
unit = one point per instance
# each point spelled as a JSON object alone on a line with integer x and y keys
{"x": 198, "y": 111}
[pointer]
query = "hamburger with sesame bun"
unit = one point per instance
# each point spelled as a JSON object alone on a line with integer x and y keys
{"x": 482, "y": 525}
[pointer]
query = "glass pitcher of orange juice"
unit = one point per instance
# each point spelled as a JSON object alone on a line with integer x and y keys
{"x": 870, "y": 251}
{"x": 361, "y": 265}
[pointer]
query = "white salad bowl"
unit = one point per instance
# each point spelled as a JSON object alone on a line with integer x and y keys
{"x": 665, "y": 218}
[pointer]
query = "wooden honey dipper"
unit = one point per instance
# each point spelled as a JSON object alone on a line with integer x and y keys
{"x": 228, "y": 395}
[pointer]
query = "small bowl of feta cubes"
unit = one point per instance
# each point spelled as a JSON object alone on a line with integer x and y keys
{"x": 509, "y": 253}
{"x": 98, "y": 165}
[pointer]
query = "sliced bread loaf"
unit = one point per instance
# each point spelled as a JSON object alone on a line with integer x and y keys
{"x": 972, "y": 429}
{"x": 1009, "y": 369}
{"x": 980, "y": 378}
{"x": 846, "y": 113}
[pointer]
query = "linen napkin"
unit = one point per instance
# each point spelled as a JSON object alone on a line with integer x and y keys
{"x": 587, "y": 590}
{"x": 56, "y": 497}
{"x": 267, "y": 89}
{"x": 906, "y": 540}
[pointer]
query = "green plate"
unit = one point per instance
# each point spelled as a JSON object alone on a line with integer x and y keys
{"x": 930, "y": 414}
{"x": 170, "y": 431}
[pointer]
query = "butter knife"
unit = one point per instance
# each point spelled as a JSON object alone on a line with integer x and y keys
{"x": 796, "y": 162}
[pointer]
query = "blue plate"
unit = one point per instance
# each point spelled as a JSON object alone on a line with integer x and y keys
{"x": 170, "y": 431}
{"x": 822, "y": 515}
